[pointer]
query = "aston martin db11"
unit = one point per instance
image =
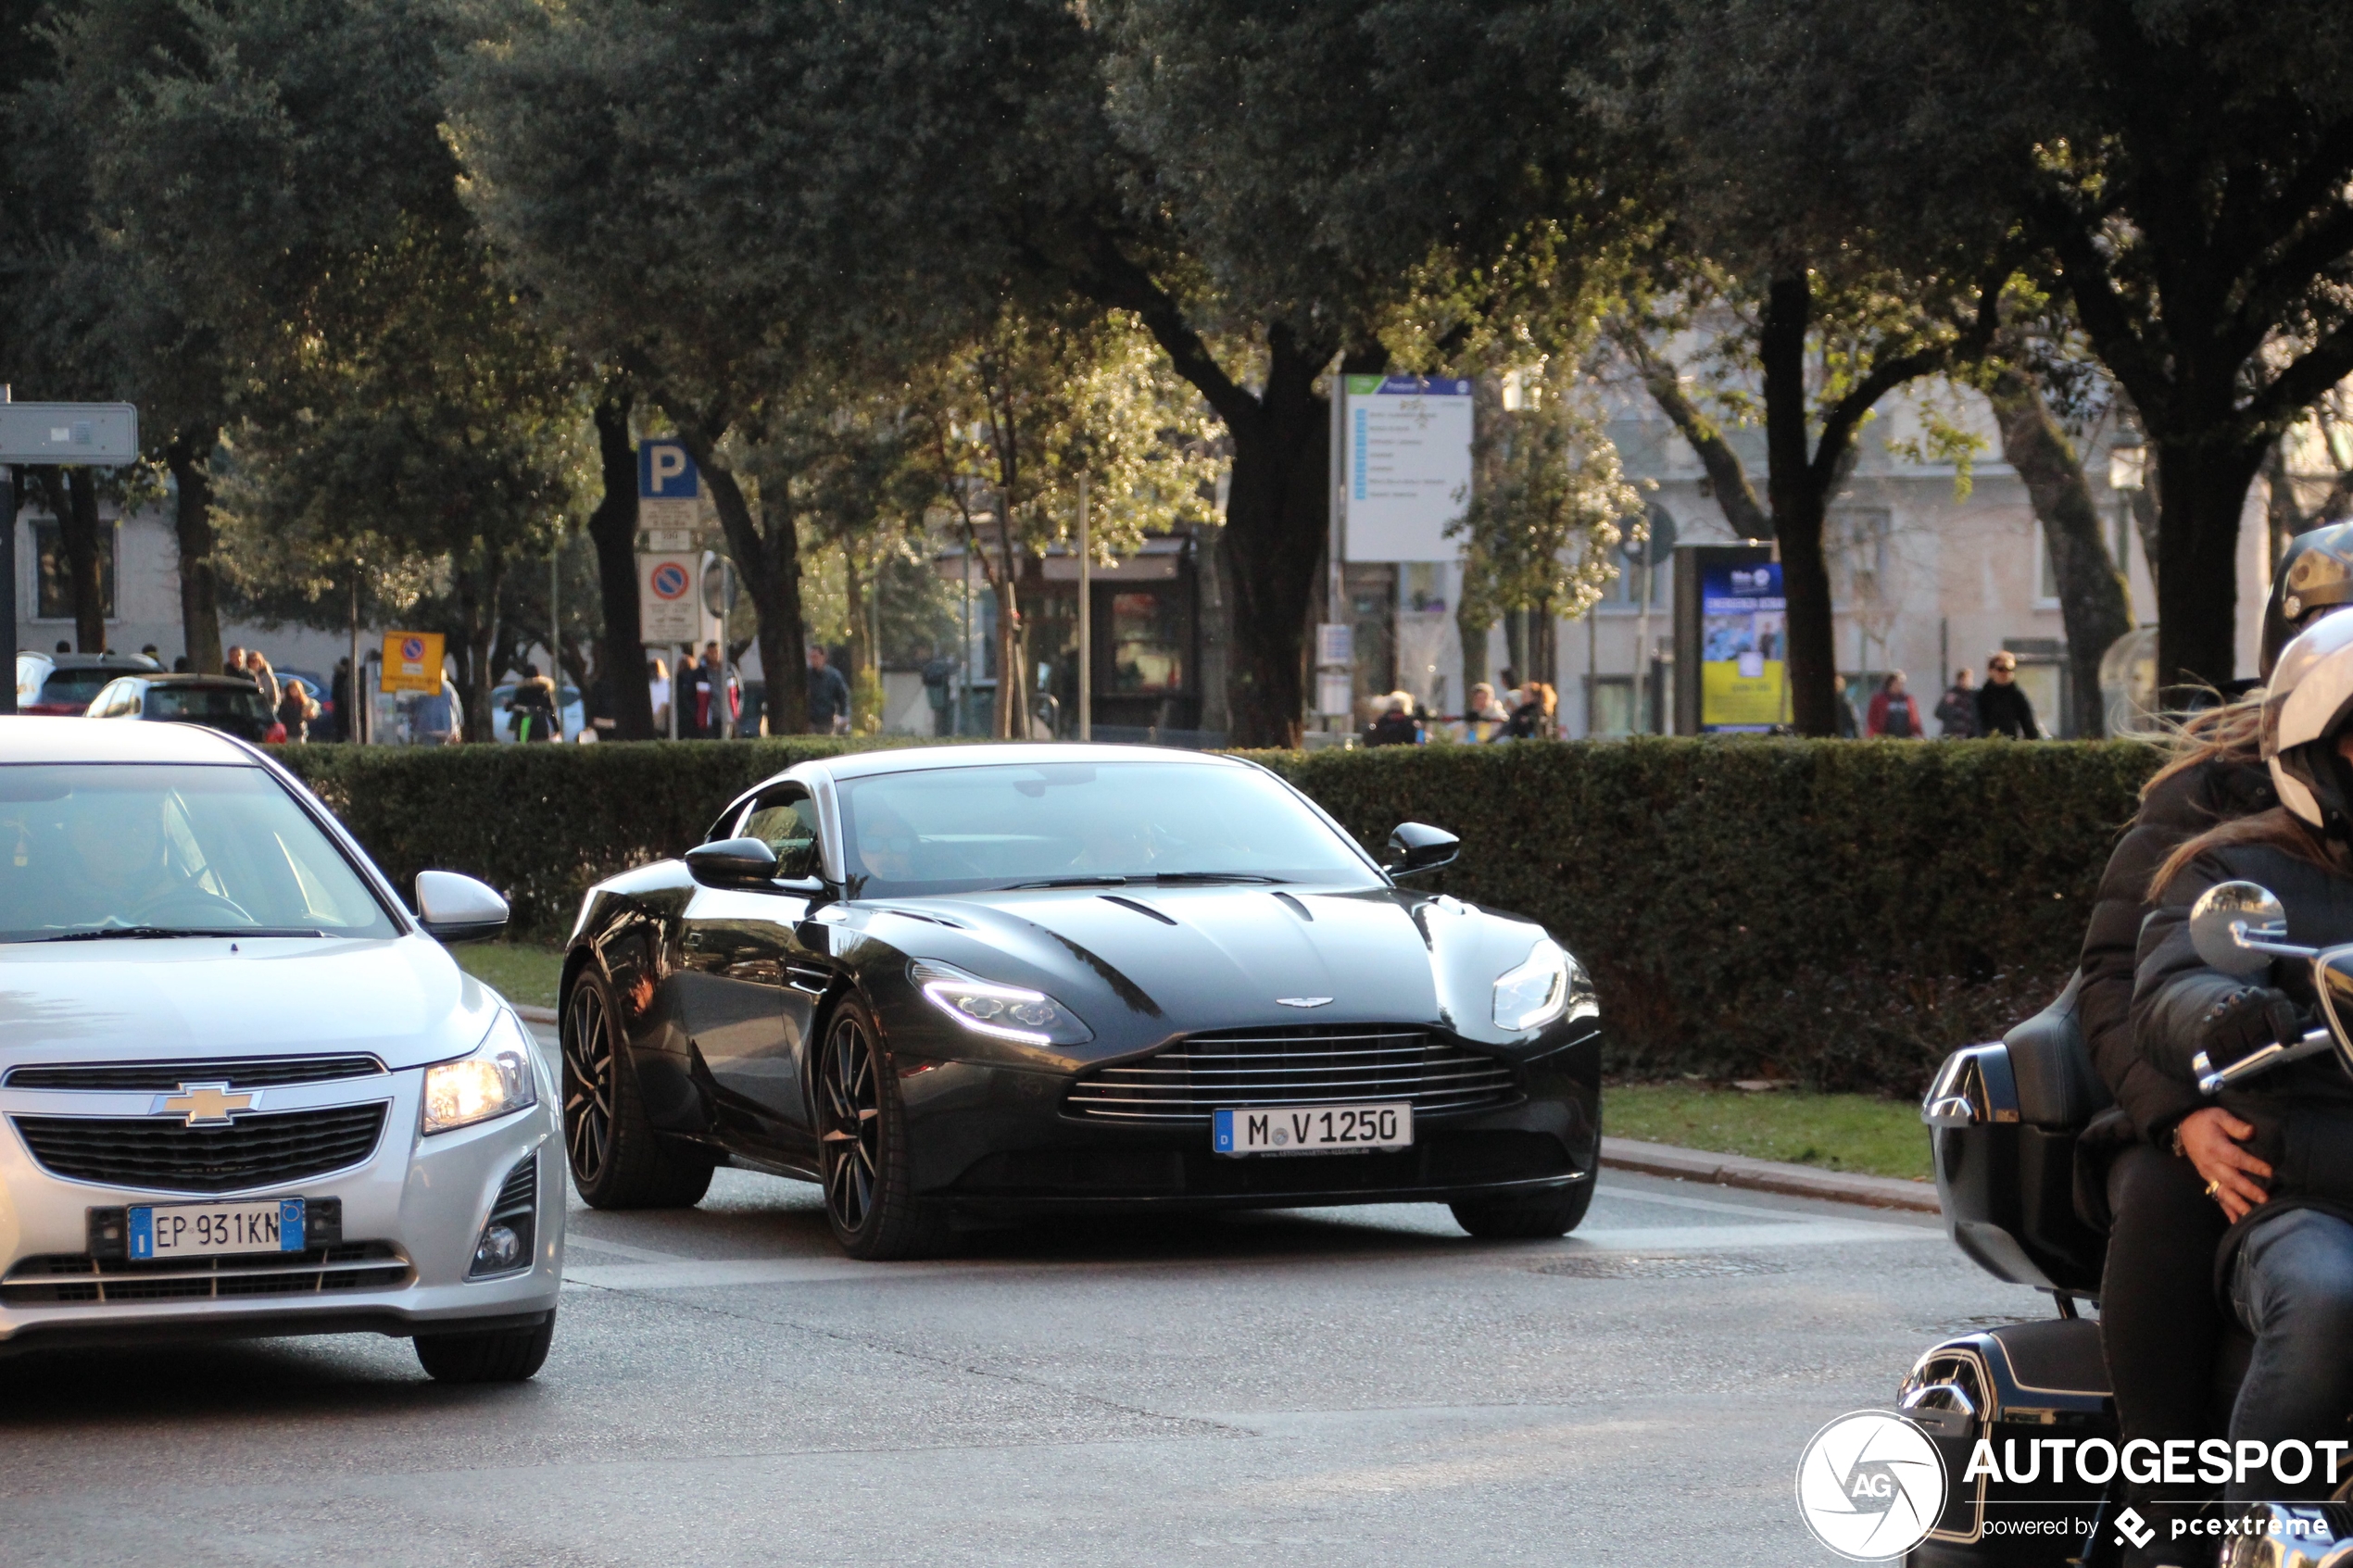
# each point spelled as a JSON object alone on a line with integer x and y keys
{"x": 987, "y": 980}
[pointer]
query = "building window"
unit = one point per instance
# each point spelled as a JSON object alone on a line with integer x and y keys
{"x": 1147, "y": 642}
{"x": 2047, "y": 584}
{"x": 1610, "y": 710}
{"x": 55, "y": 595}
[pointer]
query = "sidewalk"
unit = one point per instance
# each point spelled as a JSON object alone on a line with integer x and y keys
{"x": 1696, "y": 1165}
{"x": 1768, "y": 1175}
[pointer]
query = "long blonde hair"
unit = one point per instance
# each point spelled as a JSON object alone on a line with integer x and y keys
{"x": 2231, "y": 732}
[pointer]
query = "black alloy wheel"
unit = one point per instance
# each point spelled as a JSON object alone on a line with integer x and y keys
{"x": 862, "y": 1132}
{"x": 618, "y": 1159}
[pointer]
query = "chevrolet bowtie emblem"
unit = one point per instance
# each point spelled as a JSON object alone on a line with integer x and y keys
{"x": 1301, "y": 1001}
{"x": 205, "y": 1105}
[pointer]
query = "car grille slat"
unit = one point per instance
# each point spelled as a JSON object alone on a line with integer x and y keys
{"x": 70, "y": 1279}
{"x": 1186, "y": 1082}
{"x": 240, "y": 1072}
{"x": 163, "y": 1153}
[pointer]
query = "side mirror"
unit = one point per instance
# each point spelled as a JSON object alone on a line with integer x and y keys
{"x": 458, "y": 909}
{"x": 733, "y": 862}
{"x": 2239, "y": 927}
{"x": 1415, "y": 848}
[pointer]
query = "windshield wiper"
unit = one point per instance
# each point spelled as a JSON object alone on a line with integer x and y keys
{"x": 1111, "y": 880}
{"x": 1164, "y": 878}
{"x": 1210, "y": 876}
{"x": 145, "y": 932}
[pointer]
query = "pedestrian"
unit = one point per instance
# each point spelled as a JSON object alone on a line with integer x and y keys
{"x": 1844, "y": 710}
{"x": 723, "y": 701}
{"x": 1393, "y": 725}
{"x": 658, "y": 688}
{"x": 339, "y": 686}
{"x": 938, "y": 671}
{"x": 828, "y": 695}
{"x": 533, "y": 707}
{"x": 2002, "y": 707}
{"x": 1894, "y": 715}
{"x": 180, "y": 666}
{"x": 1956, "y": 710}
{"x": 597, "y": 708}
{"x": 263, "y": 676}
{"x": 687, "y": 693}
{"x": 296, "y": 711}
{"x": 234, "y": 662}
{"x": 1532, "y": 710}
{"x": 153, "y": 655}
{"x": 434, "y": 720}
{"x": 1483, "y": 717}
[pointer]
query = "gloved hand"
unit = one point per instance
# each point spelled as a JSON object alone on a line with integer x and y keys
{"x": 2248, "y": 1020}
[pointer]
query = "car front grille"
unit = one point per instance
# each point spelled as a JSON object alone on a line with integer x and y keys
{"x": 68, "y": 1279}
{"x": 1186, "y": 1082}
{"x": 164, "y": 1154}
{"x": 239, "y": 1073}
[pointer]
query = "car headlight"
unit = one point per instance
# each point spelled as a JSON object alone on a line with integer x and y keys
{"x": 492, "y": 1080}
{"x": 1002, "y": 1012}
{"x": 1544, "y": 987}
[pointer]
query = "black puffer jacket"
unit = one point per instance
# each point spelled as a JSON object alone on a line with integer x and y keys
{"x": 2302, "y": 1114}
{"x": 2179, "y": 808}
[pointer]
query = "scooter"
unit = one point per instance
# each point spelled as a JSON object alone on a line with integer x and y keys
{"x": 2004, "y": 1120}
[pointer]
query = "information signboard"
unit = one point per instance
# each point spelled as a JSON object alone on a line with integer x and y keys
{"x": 668, "y": 492}
{"x": 670, "y": 602}
{"x": 1407, "y": 467}
{"x": 101, "y": 434}
{"x": 412, "y": 661}
{"x": 1733, "y": 626}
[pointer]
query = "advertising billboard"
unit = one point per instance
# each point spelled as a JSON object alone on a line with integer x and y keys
{"x": 1731, "y": 640}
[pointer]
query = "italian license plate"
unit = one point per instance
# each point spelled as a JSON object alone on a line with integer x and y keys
{"x": 198, "y": 1230}
{"x": 1318, "y": 1129}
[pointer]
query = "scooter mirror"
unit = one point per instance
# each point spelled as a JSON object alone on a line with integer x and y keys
{"x": 2332, "y": 973}
{"x": 2239, "y": 927}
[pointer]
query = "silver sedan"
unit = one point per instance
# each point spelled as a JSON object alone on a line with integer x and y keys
{"x": 247, "y": 1091}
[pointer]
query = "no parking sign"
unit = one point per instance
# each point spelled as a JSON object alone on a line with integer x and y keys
{"x": 670, "y": 610}
{"x": 412, "y": 661}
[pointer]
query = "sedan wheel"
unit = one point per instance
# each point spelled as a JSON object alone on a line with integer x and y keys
{"x": 863, "y": 1129}
{"x": 618, "y": 1159}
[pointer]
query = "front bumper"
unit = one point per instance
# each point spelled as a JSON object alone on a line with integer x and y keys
{"x": 415, "y": 1208}
{"x": 998, "y": 1137}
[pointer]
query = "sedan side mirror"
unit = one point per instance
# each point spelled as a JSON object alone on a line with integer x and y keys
{"x": 733, "y": 862}
{"x": 1415, "y": 848}
{"x": 458, "y": 909}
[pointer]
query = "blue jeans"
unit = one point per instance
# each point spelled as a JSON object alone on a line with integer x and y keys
{"x": 2292, "y": 1286}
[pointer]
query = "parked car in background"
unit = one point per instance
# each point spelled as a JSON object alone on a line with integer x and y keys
{"x": 503, "y": 722}
{"x": 226, "y": 703}
{"x": 61, "y": 684}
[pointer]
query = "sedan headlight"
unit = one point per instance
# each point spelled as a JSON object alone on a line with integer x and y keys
{"x": 1541, "y": 989}
{"x": 494, "y": 1079}
{"x": 1002, "y": 1012}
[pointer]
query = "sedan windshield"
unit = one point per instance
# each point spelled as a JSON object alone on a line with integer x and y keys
{"x": 951, "y": 829}
{"x": 239, "y": 701}
{"x": 90, "y": 851}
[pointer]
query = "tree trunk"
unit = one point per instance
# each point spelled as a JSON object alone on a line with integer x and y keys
{"x": 189, "y": 456}
{"x": 2094, "y": 602}
{"x": 853, "y": 593}
{"x": 767, "y": 553}
{"x": 1474, "y": 641}
{"x": 1006, "y": 720}
{"x": 2203, "y": 494}
{"x": 479, "y": 600}
{"x": 1799, "y": 503}
{"x": 613, "y": 528}
{"x": 84, "y": 537}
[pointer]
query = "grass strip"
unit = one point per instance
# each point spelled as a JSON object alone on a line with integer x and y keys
{"x": 520, "y": 973}
{"x": 1859, "y": 1132}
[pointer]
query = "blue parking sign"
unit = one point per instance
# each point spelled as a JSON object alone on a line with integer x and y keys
{"x": 666, "y": 471}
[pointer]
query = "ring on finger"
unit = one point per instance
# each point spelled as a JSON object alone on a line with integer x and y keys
{"x": 2213, "y": 1187}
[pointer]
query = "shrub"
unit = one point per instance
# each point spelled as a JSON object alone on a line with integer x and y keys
{"x": 1837, "y": 912}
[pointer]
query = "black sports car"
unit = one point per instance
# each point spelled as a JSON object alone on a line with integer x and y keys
{"x": 992, "y": 979}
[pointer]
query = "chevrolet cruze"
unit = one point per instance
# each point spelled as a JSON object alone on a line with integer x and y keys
{"x": 247, "y": 1091}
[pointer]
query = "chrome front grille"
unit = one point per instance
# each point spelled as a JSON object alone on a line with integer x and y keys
{"x": 239, "y": 1073}
{"x": 164, "y": 1154}
{"x": 1306, "y": 1066}
{"x": 69, "y": 1279}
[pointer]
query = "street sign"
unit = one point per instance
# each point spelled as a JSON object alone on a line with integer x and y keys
{"x": 666, "y": 541}
{"x": 1335, "y": 643}
{"x": 670, "y": 608}
{"x": 669, "y": 491}
{"x": 1408, "y": 466}
{"x": 412, "y": 661}
{"x": 102, "y": 434}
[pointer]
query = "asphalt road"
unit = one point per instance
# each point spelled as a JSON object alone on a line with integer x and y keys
{"x": 1359, "y": 1386}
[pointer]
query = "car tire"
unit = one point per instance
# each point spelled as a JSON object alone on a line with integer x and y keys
{"x": 490, "y": 1355}
{"x": 1530, "y": 1217}
{"x": 618, "y": 1159}
{"x": 861, "y": 1123}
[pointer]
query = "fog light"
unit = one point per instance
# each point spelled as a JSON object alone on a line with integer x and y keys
{"x": 499, "y": 1249}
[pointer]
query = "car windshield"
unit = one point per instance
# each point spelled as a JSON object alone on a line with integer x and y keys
{"x": 952, "y": 830}
{"x": 77, "y": 685}
{"x": 89, "y": 851}
{"x": 206, "y": 702}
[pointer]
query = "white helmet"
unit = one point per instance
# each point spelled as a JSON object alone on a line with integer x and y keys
{"x": 2309, "y": 702}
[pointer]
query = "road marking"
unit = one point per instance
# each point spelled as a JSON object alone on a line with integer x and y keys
{"x": 623, "y": 1250}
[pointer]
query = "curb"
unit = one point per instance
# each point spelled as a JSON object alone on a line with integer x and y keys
{"x": 535, "y": 1015}
{"x": 1768, "y": 1175}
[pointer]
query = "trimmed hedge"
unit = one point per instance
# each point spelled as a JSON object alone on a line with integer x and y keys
{"x": 1837, "y": 912}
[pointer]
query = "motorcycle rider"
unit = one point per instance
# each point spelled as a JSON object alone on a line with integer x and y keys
{"x": 2161, "y": 1326}
{"x": 2282, "y": 1174}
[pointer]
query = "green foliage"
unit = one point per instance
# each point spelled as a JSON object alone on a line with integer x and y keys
{"x": 1879, "y": 1137}
{"x": 1549, "y": 502}
{"x": 1838, "y": 914}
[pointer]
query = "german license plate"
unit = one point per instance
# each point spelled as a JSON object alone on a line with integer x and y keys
{"x": 197, "y": 1230}
{"x": 1313, "y": 1129}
